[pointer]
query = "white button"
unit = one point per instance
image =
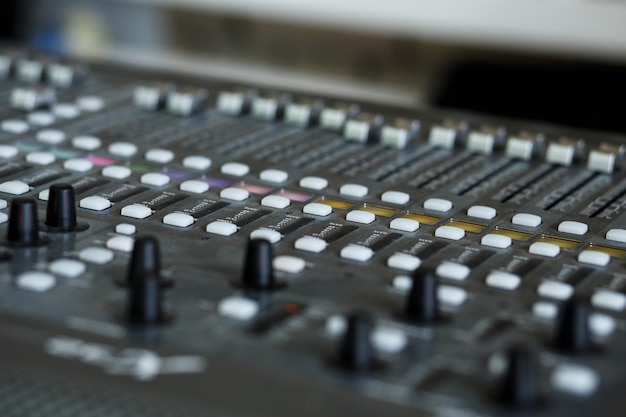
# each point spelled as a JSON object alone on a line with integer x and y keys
{"x": 594, "y": 257}
{"x": 496, "y": 241}
{"x": 236, "y": 194}
{"x": 194, "y": 186}
{"x": 14, "y": 187}
{"x": 50, "y": 136}
{"x": 86, "y": 143}
{"x": 310, "y": 244}
{"x": 450, "y": 232}
{"x": 289, "y": 264}
{"x": 230, "y": 103}
{"x": 235, "y": 168}
{"x": 160, "y": 156}
{"x": 8, "y": 151}
{"x": 297, "y": 115}
{"x": 44, "y": 195}
{"x": 14, "y": 126}
{"x": 601, "y": 161}
{"x": 503, "y": 280}
{"x": 125, "y": 229}
{"x": 438, "y": 204}
{"x": 3, "y": 218}
{"x": 482, "y": 212}
{"x": 388, "y": 340}
{"x": 268, "y": 234}
{"x": 356, "y": 253}
{"x": 264, "y": 108}
{"x": 221, "y": 228}
{"x": 454, "y": 271}
{"x": 393, "y": 137}
{"x": 335, "y": 325}
{"x": 356, "y": 131}
{"x": 275, "y": 201}
{"x": 178, "y": 219}
{"x": 395, "y": 197}
{"x": 406, "y": 225}
{"x": 314, "y": 183}
{"x": 332, "y": 119}
{"x": 609, "y": 300}
{"x": 317, "y": 209}
{"x": 544, "y": 249}
{"x": 238, "y": 308}
{"x": 95, "y": 202}
{"x": 404, "y": 261}
{"x": 601, "y": 325}
{"x": 575, "y": 379}
{"x": 526, "y": 219}
{"x": 353, "y": 190}
{"x": 40, "y": 118}
{"x": 519, "y": 148}
{"x": 68, "y": 268}
{"x": 121, "y": 243}
{"x": 480, "y": 143}
{"x": 442, "y": 137}
{"x": 197, "y": 162}
{"x": 452, "y": 296}
{"x": 155, "y": 178}
{"x": 78, "y": 165}
{"x": 98, "y": 256}
{"x": 65, "y": 110}
{"x": 36, "y": 281}
{"x": 360, "y": 216}
{"x": 617, "y": 235}
{"x": 274, "y": 175}
{"x": 402, "y": 283}
{"x": 90, "y": 103}
{"x": 137, "y": 211}
{"x": 545, "y": 310}
{"x": 560, "y": 154}
{"x": 575, "y": 228}
{"x": 3, "y": 204}
{"x": 123, "y": 149}
{"x": 40, "y": 158}
{"x": 555, "y": 289}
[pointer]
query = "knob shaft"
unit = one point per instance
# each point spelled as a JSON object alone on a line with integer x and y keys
{"x": 356, "y": 352}
{"x": 23, "y": 229}
{"x": 422, "y": 304}
{"x": 573, "y": 334}
{"x": 145, "y": 258}
{"x": 258, "y": 270}
{"x": 520, "y": 383}
{"x": 145, "y": 301}
{"x": 61, "y": 211}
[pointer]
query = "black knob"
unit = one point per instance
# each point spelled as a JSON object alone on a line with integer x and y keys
{"x": 356, "y": 352}
{"x": 145, "y": 259}
{"x": 23, "y": 227}
{"x": 519, "y": 386}
{"x": 422, "y": 304}
{"x": 573, "y": 334}
{"x": 258, "y": 272}
{"x": 61, "y": 211}
{"x": 145, "y": 301}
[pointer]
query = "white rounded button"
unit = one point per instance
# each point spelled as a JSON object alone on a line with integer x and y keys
{"x": 314, "y": 183}
{"x": 86, "y": 143}
{"x": 197, "y": 162}
{"x": 123, "y": 149}
{"x": 194, "y": 186}
{"x": 160, "y": 156}
{"x": 221, "y": 228}
{"x": 438, "y": 204}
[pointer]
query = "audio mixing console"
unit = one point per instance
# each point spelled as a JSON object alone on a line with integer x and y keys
{"x": 185, "y": 247}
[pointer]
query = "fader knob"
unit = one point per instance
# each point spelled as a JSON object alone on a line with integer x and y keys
{"x": 145, "y": 302}
{"x": 573, "y": 334}
{"x": 356, "y": 352}
{"x": 258, "y": 272}
{"x": 422, "y": 303}
{"x": 61, "y": 210}
{"x": 519, "y": 386}
{"x": 23, "y": 227}
{"x": 145, "y": 259}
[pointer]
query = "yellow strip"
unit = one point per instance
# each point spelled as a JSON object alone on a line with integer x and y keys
{"x": 512, "y": 233}
{"x": 378, "y": 210}
{"x": 560, "y": 241}
{"x": 467, "y": 226}
{"x": 336, "y": 204}
{"x": 614, "y": 252}
{"x": 422, "y": 218}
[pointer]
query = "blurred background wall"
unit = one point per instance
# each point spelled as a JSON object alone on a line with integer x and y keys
{"x": 557, "y": 60}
